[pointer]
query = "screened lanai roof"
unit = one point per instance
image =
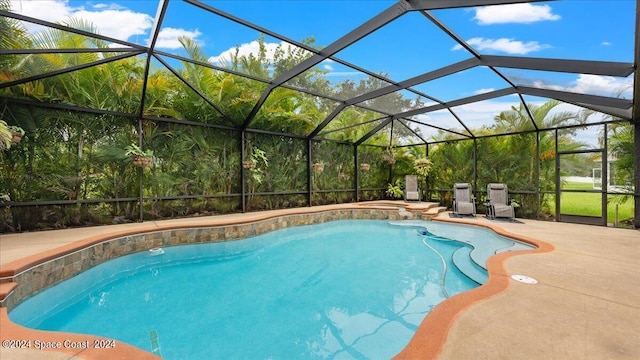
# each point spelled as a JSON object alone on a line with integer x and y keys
{"x": 433, "y": 69}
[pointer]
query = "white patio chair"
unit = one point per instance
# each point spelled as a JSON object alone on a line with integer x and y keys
{"x": 411, "y": 189}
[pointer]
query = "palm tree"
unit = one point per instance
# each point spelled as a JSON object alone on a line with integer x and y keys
{"x": 12, "y": 36}
{"x": 524, "y": 146}
{"x": 622, "y": 148}
{"x": 510, "y": 159}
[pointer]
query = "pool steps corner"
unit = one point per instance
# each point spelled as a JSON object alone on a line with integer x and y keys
{"x": 471, "y": 269}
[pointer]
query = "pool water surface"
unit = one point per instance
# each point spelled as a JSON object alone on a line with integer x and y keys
{"x": 339, "y": 290}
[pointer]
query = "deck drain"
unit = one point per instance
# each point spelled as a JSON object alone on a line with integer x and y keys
{"x": 524, "y": 279}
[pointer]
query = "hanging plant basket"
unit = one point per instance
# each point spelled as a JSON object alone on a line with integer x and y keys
{"x": 248, "y": 164}
{"x": 318, "y": 167}
{"x": 139, "y": 157}
{"x": 142, "y": 161}
{"x": 9, "y": 135}
{"x": 389, "y": 159}
{"x": 16, "y": 137}
{"x": 365, "y": 167}
{"x": 422, "y": 166}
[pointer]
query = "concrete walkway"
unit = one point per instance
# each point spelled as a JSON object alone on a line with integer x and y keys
{"x": 586, "y": 304}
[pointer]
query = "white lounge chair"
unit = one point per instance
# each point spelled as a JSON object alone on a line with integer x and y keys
{"x": 498, "y": 202}
{"x": 463, "y": 204}
{"x": 411, "y": 189}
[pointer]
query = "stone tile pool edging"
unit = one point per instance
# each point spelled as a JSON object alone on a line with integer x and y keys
{"x": 25, "y": 277}
{"x": 34, "y": 273}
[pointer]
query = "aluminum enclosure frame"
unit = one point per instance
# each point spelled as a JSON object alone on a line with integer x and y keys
{"x": 619, "y": 109}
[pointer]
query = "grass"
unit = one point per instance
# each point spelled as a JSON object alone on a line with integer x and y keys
{"x": 589, "y": 204}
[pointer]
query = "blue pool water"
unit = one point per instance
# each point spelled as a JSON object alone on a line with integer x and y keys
{"x": 339, "y": 290}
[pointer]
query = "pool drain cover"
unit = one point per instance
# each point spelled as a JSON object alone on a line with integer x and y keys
{"x": 524, "y": 279}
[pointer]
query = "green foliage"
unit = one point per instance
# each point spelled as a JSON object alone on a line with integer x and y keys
{"x": 422, "y": 166}
{"x": 77, "y": 157}
{"x": 372, "y": 182}
{"x": 17, "y": 129}
{"x": 590, "y": 204}
{"x": 338, "y": 171}
{"x": 260, "y": 163}
{"x": 5, "y": 136}
{"x": 509, "y": 159}
{"x": 134, "y": 150}
{"x": 622, "y": 148}
{"x": 395, "y": 190}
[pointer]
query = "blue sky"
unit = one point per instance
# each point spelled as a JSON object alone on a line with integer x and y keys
{"x": 411, "y": 45}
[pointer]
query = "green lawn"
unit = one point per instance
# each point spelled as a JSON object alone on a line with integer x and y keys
{"x": 590, "y": 204}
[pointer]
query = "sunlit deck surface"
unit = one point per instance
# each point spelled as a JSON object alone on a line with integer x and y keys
{"x": 584, "y": 306}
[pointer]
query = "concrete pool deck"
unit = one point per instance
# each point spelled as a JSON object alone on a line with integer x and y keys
{"x": 586, "y": 304}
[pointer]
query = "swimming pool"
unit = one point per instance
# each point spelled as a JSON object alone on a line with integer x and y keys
{"x": 344, "y": 289}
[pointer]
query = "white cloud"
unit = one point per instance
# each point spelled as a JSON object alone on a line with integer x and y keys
{"x": 110, "y": 19}
{"x": 327, "y": 64}
{"x": 542, "y": 85}
{"x": 595, "y": 85}
{"x": 49, "y": 10}
{"x": 605, "y": 43}
{"x": 344, "y": 73}
{"x": 119, "y": 24}
{"x": 483, "y": 91}
{"x": 251, "y": 48}
{"x": 505, "y": 45}
{"x": 108, "y": 6}
{"x": 168, "y": 37}
{"x": 514, "y": 13}
{"x": 482, "y": 113}
{"x": 473, "y": 115}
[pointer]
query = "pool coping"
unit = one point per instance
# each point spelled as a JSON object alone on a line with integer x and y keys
{"x": 425, "y": 344}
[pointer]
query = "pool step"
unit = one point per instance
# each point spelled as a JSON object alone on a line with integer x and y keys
{"x": 481, "y": 253}
{"x": 462, "y": 260}
{"x": 434, "y": 210}
{"x": 515, "y": 247}
{"x": 6, "y": 288}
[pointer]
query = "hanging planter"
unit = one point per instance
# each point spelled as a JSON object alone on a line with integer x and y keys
{"x": 9, "y": 135}
{"x": 365, "y": 167}
{"x": 16, "y": 134}
{"x": 318, "y": 167}
{"x": 15, "y": 137}
{"x": 248, "y": 164}
{"x": 142, "y": 161}
{"x": 139, "y": 157}
{"x": 422, "y": 166}
{"x": 388, "y": 157}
